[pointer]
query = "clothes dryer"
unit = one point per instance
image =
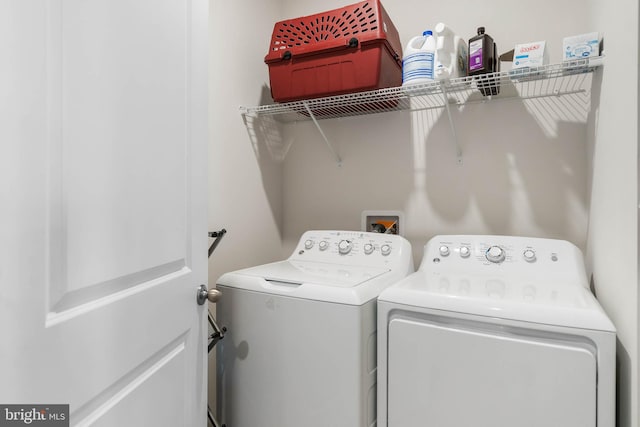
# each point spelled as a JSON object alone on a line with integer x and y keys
{"x": 300, "y": 350}
{"x": 495, "y": 331}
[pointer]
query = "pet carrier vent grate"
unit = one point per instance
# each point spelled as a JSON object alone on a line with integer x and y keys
{"x": 316, "y": 29}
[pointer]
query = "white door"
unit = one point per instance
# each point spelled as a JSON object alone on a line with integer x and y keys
{"x": 103, "y": 134}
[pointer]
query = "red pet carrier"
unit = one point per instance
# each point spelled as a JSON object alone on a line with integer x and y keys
{"x": 352, "y": 49}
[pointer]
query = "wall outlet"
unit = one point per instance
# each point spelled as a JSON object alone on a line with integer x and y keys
{"x": 390, "y": 222}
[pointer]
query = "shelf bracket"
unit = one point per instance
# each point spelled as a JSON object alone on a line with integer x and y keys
{"x": 451, "y": 124}
{"x": 324, "y": 137}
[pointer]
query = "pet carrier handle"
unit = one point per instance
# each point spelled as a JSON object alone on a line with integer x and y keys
{"x": 314, "y": 48}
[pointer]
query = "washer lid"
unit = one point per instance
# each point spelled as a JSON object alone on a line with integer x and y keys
{"x": 344, "y": 284}
{"x": 316, "y": 273}
{"x": 524, "y": 299}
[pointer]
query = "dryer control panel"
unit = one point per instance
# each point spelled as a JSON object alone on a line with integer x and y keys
{"x": 503, "y": 255}
{"x": 353, "y": 247}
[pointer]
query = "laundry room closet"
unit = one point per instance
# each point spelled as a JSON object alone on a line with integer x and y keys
{"x": 562, "y": 167}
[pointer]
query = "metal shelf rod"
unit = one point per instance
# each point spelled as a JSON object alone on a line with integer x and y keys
{"x": 326, "y": 140}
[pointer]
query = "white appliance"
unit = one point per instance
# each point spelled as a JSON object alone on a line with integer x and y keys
{"x": 300, "y": 350}
{"x": 495, "y": 331}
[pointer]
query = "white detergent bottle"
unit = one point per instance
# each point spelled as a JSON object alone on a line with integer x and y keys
{"x": 450, "y": 59}
{"x": 417, "y": 64}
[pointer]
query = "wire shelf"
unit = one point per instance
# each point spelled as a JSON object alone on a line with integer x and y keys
{"x": 569, "y": 77}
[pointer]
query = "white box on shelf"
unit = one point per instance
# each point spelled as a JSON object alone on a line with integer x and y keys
{"x": 530, "y": 55}
{"x": 581, "y": 46}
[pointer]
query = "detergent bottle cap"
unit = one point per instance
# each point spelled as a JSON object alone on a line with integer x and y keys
{"x": 427, "y": 33}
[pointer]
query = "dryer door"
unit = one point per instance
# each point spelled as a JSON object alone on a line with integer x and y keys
{"x": 450, "y": 374}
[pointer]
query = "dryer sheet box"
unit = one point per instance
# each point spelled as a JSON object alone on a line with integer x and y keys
{"x": 581, "y": 46}
{"x": 530, "y": 55}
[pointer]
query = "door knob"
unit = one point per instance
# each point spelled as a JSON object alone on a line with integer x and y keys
{"x": 204, "y": 294}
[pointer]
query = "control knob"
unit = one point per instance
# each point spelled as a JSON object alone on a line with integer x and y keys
{"x": 465, "y": 251}
{"x": 495, "y": 254}
{"x": 368, "y": 248}
{"x": 529, "y": 255}
{"x": 308, "y": 244}
{"x": 323, "y": 245}
{"x": 385, "y": 249}
{"x": 444, "y": 250}
{"x": 344, "y": 247}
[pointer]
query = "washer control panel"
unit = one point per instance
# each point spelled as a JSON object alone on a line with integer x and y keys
{"x": 353, "y": 247}
{"x": 469, "y": 253}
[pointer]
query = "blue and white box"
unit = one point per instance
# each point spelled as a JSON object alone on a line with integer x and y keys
{"x": 581, "y": 46}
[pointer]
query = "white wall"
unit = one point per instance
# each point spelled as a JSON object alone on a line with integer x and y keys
{"x": 245, "y": 185}
{"x": 529, "y": 167}
{"x": 245, "y": 182}
{"x": 525, "y": 169}
{"x": 613, "y": 233}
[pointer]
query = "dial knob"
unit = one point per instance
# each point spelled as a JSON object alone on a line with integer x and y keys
{"x": 323, "y": 245}
{"x": 308, "y": 244}
{"x": 495, "y": 254}
{"x": 385, "y": 249}
{"x": 444, "y": 250}
{"x": 344, "y": 247}
{"x": 529, "y": 255}
{"x": 368, "y": 248}
{"x": 465, "y": 251}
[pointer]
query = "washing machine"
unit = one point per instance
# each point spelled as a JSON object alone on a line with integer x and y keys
{"x": 300, "y": 350}
{"x": 495, "y": 331}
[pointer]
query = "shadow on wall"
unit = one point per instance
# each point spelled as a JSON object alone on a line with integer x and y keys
{"x": 266, "y": 133}
{"x": 524, "y": 168}
{"x": 375, "y": 173}
{"x": 270, "y": 148}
